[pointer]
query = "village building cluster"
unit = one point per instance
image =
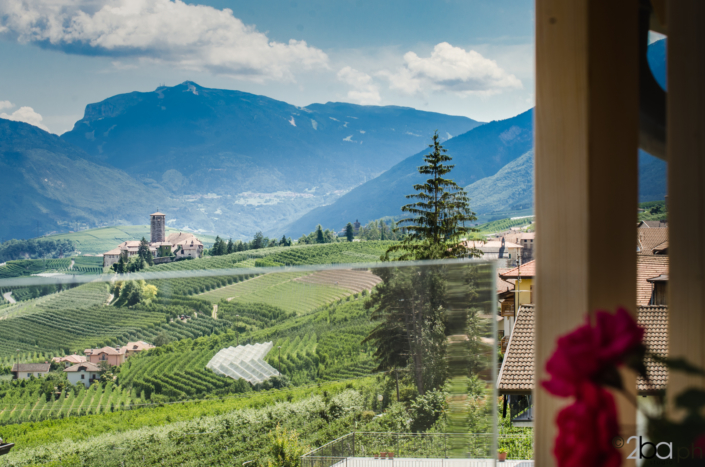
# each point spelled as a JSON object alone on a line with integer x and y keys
{"x": 515, "y": 294}
{"x": 164, "y": 248}
{"x": 83, "y": 369}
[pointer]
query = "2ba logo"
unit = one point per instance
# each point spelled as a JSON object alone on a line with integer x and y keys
{"x": 647, "y": 450}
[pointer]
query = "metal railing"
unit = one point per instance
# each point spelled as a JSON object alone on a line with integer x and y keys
{"x": 423, "y": 448}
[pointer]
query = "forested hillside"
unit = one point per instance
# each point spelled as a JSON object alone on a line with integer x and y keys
{"x": 50, "y": 185}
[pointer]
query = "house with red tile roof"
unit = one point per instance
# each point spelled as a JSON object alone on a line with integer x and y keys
{"x": 132, "y": 348}
{"x": 516, "y": 377}
{"x": 69, "y": 359}
{"x": 113, "y": 356}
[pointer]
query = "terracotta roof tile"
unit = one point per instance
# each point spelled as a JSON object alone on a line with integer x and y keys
{"x": 648, "y": 267}
{"x": 527, "y": 270}
{"x": 517, "y": 373}
{"x": 70, "y": 359}
{"x": 105, "y": 350}
{"x": 655, "y": 320}
{"x": 648, "y": 239}
{"x": 86, "y": 366}
{"x": 503, "y": 285}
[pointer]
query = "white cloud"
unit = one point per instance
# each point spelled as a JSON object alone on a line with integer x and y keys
{"x": 364, "y": 91}
{"x": 193, "y": 37}
{"x": 23, "y": 114}
{"x": 451, "y": 69}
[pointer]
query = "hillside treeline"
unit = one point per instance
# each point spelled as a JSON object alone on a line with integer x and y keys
{"x": 35, "y": 248}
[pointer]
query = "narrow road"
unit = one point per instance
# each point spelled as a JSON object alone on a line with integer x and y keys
{"x": 110, "y": 299}
{"x": 8, "y": 296}
{"x": 72, "y": 263}
{"x": 215, "y": 311}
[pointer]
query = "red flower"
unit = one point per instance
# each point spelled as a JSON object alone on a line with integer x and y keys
{"x": 586, "y": 430}
{"x": 573, "y": 363}
{"x": 589, "y": 353}
{"x": 616, "y": 336}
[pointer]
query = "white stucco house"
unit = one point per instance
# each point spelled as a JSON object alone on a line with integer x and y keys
{"x": 28, "y": 370}
{"x": 84, "y": 373}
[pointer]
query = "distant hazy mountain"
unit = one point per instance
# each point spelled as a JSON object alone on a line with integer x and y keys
{"x": 250, "y": 162}
{"x": 477, "y": 154}
{"x": 47, "y": 185}
{"x": 510, "y": 189}
{"x": 495, "y": 190}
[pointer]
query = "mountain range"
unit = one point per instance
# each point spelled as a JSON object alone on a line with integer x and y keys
{"x": 233, "y": 163}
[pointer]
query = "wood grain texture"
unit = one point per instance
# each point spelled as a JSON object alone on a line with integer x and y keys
{"x": 586, "y": 179}
{"x": 686, "y": 189}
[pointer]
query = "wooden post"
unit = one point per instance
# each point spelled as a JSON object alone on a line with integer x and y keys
{"x": 686, "y": 189}
{"x": 587, "y": 126}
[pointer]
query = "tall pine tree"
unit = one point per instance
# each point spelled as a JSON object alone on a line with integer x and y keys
{"x": 349, "y": 232}
{"x": 437, "y": 220}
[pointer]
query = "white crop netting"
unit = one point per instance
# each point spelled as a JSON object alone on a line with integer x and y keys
{"x": 244, "y": 362}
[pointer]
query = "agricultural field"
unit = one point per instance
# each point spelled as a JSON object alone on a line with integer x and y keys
{"x": 214, "y": 432}
{"x": 290, "y": 291}
{"x": 28, "y": 267}
{"x": 21, "y": 405}
{"x": 316, "y": 321}
{"x": 329, "y": 253}
{"x": 98, "y": 241}
{"x": 504, "y": 224}
{"x": 324, "y": 345}
{"x": 82, "y": 296}
{"x": 79, "y": 318}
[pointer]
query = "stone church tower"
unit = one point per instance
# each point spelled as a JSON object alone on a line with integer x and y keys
{"x": 158, "y": 227}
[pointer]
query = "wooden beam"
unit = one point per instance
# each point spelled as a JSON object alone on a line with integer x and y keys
{"x": 686, "y": 187}
{"x": 587, "y": 126}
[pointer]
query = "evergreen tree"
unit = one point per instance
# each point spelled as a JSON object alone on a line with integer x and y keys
{"x": 144, "y": 252}
{"x": 438, "y": 217}
{"x": 231, "y": 247}
{"x": 349, "y": 232}
{"x": 121, "y": 266}
{"x": 319, "y": 234}
{"x": 408, "y": 304}
{"x": 258, "y": 241}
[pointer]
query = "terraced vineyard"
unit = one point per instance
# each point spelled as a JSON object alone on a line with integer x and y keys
{"x": 282, "y": 290}
{"x": 73, "y": 321}
{"x": 27, "y": 267}
{"x": 82, "y": 296}
{"x": 350, "y": 279}
{"x": 196, "y": 285}
{"x": 21, "y": 406}
{"x": 331, "y": 253}
{"x": 325, "y": 345}
{"x": 87, "y": 265}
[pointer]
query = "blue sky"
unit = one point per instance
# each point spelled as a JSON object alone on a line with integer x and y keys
{"x": 469, "y": 57}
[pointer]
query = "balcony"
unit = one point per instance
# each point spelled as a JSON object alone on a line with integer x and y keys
{"x": 360, "y": 449}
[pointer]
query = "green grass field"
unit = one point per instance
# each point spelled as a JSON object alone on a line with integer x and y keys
{"x": 98, "y": 241}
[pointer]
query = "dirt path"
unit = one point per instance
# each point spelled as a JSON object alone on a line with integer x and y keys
{"x": 110, "y": 299}
{"x": 215, "y": 311}
{"x": 72, "y": 263}
{"x": 8, "y": 296}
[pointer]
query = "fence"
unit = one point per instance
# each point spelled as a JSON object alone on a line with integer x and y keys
{"x": 357, "y": 449}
